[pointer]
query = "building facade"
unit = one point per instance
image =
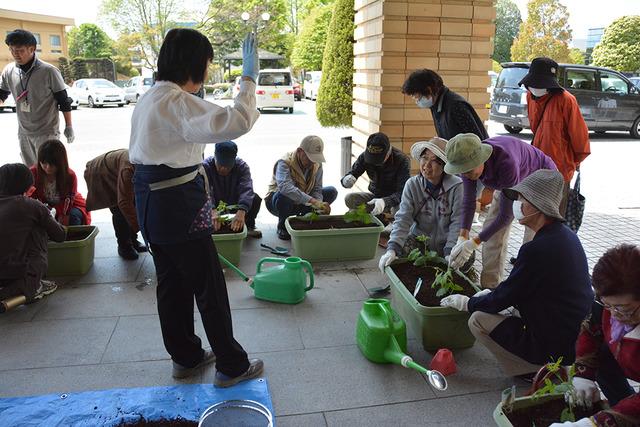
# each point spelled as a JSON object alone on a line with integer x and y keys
{"x": 50, "y": 32}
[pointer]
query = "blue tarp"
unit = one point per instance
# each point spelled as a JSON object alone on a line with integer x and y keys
{"x": 111, "y": 407}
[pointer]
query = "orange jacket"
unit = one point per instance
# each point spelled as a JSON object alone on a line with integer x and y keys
{"x": 563, "y": 134}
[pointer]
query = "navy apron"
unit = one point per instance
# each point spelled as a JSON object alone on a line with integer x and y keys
{"x": 175, "y": 214}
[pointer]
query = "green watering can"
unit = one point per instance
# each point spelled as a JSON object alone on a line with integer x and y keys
{"x": 285, "y": 283}
{"x": 382, "y": 337}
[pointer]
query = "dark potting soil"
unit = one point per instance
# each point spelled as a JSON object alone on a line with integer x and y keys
{"x": 332, "y": 222}
{"x": 226, "y": 229}
{"x": 409, "y": 275}
{"x": 142, "y": 422}
{"x": 546, "y": 413}
{"x": 75, "y": 235}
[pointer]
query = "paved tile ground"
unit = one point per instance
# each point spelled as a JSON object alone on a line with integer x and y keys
{"x": 101, "y": 331}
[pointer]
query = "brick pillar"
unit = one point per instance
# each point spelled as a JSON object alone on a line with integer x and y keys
{"x": 396, "y": 37}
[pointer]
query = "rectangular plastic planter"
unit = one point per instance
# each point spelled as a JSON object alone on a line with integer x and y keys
{"x": 433, "y": 327}
{"x": 73, "y": 258}
{"x": 521, "y": 402}
{"x": 230, "y": 245}
{"x": 345, "y": 244}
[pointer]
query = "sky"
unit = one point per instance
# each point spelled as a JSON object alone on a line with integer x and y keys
{"x": 584, "y": 14}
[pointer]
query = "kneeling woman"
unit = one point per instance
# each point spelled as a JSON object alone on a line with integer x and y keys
{"x": 57, "y": 185}
{"x": 169, "y": 130}
{"x": 430, "y": 205}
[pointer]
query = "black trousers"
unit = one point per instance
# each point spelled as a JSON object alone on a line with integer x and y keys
{"x": 250, "y": 217}
{"x": 185, "y": 270}
{"x": 124, "y": 233}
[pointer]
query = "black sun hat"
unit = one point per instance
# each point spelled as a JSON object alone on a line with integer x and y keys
{"x": 543, "y": 74}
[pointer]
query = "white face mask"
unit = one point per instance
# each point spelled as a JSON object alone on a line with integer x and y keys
{"x": 537, "y": 92}
{"x": 425, "y": 102}
{"x": 518, "y": 214}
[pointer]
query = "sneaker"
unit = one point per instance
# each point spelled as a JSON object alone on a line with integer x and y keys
{"x": 139, "y": 246}
{"x": 180, "y": 371}
{"x": 253, "y": 232}
{"x": 283, "y": 234}
{"x": 47, "y": 287}
{"x": 127, "y": 252}
{"x": 256, "y": 366}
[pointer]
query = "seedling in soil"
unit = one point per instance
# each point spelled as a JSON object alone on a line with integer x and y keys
{"x": 224, "y": 212}
{"x": 562, "y": 386}
{"x": 359, "y": 214}
{"x": 420, "y": 258}
{"x": 444, "y": 282}
{"x": 311, "y": 216}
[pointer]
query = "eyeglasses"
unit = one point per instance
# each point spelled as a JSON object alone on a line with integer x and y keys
{"x": 618, "y": 311}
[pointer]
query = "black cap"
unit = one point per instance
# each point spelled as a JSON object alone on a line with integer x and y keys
{"x": 377, "y": 148}
{"x": 543, "y": 74}
{"x": 15, "y": 179}
{"x": 226, "y": 153}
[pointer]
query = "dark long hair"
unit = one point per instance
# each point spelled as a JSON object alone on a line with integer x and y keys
{"x": 54, "y": 153}
{"x": 184, "y": 56}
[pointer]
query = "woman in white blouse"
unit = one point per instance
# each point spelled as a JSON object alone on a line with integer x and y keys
{"x": 169, "y": 130}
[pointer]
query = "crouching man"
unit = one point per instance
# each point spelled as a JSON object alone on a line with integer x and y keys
{"x": 296, "y": 186}
{"x": 549, "y": 286}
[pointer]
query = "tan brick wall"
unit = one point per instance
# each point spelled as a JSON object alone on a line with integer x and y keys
{"x": 396, "y": 37}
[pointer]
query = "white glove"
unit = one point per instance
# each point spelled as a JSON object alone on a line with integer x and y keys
{"x": 348, "y": 180}
{"x": 583, "y": 422}
{"x": 464, "y": 253}
{"x": 68, "y": 133}
{"x": 457, "y": 301}
{"x": 456, "y": 249}
{"x": 53, "y": 213}
{"x": 387, "y": 259}
{"x": 586, "y": 391}
{"x": 482, "y": 292}
{"x": 378, "y": 207}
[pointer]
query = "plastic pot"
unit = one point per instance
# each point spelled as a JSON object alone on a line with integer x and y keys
{"x": 230, "y": 245}
{"x": 433, "y": 327}
{"x": 344, "y": 244}
{"x": 75, "y": 257}
{"x": 500, "y": 417}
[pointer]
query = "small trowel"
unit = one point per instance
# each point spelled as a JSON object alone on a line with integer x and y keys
{"x": 278, "y": 250}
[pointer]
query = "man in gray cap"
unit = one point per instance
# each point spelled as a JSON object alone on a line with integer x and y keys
{"x": 296, "y": 185}
{"x": 549, "y": 285}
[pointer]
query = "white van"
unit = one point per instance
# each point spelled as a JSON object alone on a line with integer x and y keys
{"x": 312, "y": 84}
{"x": 275, "y": 90}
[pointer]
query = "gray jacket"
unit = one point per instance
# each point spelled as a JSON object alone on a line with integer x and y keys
{"x": 420, "y": 213}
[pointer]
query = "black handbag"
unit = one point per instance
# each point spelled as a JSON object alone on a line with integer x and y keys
{"x": 575, "y": 206}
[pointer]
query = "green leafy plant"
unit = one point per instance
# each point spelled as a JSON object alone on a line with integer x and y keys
{"x": 360, "y": 214}
{"x": 421, "y": 257}
{"x": 559, "y": 386}
{"x": 444, "y": 282}
{"x": 224, "y": 210}
{"x": 313, "y": 215}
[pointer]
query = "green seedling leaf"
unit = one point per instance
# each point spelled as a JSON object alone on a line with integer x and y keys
{"x": 359, "y": 214}
{"x": 567, "y": 415}
{"x": 441, "y": 292}
{"x": 414, "y": 254}
{"x": 310, "y": 216}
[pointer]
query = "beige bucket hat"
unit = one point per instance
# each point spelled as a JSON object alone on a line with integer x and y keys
{"x": 543, "y": 189}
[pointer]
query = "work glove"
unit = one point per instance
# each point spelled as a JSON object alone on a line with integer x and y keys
{"x": 457, "y": 301}
{"x": 68, "y": 133}
{"x": 586, "y": 392}
{"x": 461, "y": 256}
{"x": 53, "y": 213}
{"x": 378, "y": 206}
{"x": 583, "y": 422}
{"x": 482, "y": 292}
{"x": 348, "y": 180}
{"x": 250, "y": 60}
{"x": 387, "y": 259}
{"x": 457, "y": 248}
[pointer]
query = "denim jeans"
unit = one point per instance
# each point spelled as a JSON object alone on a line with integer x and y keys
{"x": 283, "y": 207}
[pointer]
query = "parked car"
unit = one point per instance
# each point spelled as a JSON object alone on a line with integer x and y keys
{"x": 275, "y": 90}
{"x": 135, "y": 87}
{"x": 635, "y": 81}
{"x": 71, "y": 93}
{"x": 312, "y": 84}
{"x": 8, "y": 104}
{"x": 297, "y": 90}
{"x": 607, "y": 99}
{"x": 98, "y": 93}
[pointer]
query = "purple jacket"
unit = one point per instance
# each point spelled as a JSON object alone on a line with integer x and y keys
{"x": 512, "y": 161}
{"x": 235, "y": 188}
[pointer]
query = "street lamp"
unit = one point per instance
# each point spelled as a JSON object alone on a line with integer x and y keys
{"x": 246, "y": 17}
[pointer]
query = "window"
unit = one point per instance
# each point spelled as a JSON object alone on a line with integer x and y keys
{"x": 274, "y": 79}
{"x": 56, "y": 45}
{"x": 581, "y": 79}
{"x": 611, "y": 83}
{"x": 39, "y": 43}
{"x": 511, "y": 76}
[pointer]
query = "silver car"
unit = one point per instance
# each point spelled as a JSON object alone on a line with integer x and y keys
{"x": 136, "y": 87}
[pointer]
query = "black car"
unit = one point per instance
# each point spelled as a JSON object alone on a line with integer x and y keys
{"x": 607, "y": 99}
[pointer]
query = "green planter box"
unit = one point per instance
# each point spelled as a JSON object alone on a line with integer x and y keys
{"x": 521, "y": 402}
{"x": 346, "y": 244}
{"x": 433, "y": 327}
{"x": 73, "y": 258}
{"x": 230, "y": 245}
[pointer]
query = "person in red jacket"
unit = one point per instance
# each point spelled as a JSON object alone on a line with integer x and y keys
{"x": 57, "y": 185}
{"x": 608, "y": 347}
{"x": 559, "y": 129}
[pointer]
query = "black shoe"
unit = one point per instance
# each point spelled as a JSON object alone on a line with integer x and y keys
{"x": 513, "y": 260}
{"x": 180, "y": 371}
{"x": 128, "y": 252}
{"x": 283, "y": 234}
{"x": 139, "y": 247}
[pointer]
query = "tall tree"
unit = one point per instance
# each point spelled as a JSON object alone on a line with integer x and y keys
{"x": 508, "y": 22}
{"x": 335, "y": 96}
{"x": 299, "y": 10}
{"x": 546, "y": 32}
{"x": 151, "y": 19}
{"x": 89, "y": 41}
{"x": 576, "y": 56}
{"x": 309, "y": 45}
{"x": 620, "y": 45}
